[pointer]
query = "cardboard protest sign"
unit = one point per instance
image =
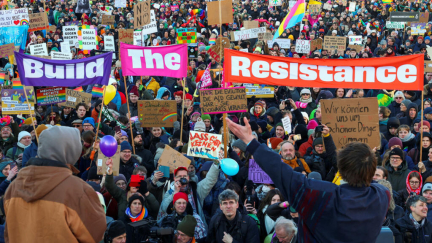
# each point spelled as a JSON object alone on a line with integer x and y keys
{"x": 55, "y": 55}
{"x": 216, "y": 51}
{"x": 265, "y": 36}
{"x": 283, "y": 43}
{"x": 218, "y": 13}
{"x": 204, "y": 145}
{"x": 248, "y": 34}
{"x": 259, "y": 91}
{"x": 395, "y": 25}
{"x": 332, "y": 43}
{"x": 50, "y": 96}
{"x": 14, "y": 17}
{"x": 150, "y": 28}
{"x": 142, "y": 14}
{"x": 418, "y": 28}
{"x": 157, "y": 113}
{"x": 354, "y": 120}
{"x": 228, "y": 100}
{"x": 14, "y": 101}
{"x": 73, "y": 98}
{"x": 250, "y": 24}
{"x": 52, "y": 28}
{"x": 316, "y": 44}
{"x": 257, "y": 175}
{"x": 39, "y": 49}
{"x": 314, "y": 8}
{"x": 358, "y": 48}
{"x": 186, "y": 35}
{"x": 108, "y": 19}
{"x": 302, "y": 46}
{"x": 102, "y": 159}
{"x": 428, "y": 66}
{"x": 173, "y": 159}
{"x": 126, "y": 36}
{"x": 424, "y": 17}
{"x": 38, "y": 21}
{"x": 7, "y": 50}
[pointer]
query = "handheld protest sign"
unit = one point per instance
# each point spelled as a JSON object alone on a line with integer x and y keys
{"x": 157, "y": 113}
{"x": 173, "y": 159}
{"x": 204, "y": 145}
{"x": 101, "y": 162}
{"x": 228, "y": 100}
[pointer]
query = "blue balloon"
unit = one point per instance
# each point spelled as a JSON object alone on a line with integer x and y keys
{"x": 229, "y": 166}
{"x": 108, "y": 145}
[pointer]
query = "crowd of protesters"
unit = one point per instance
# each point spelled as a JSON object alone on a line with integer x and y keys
{"x": 48, "y": 183}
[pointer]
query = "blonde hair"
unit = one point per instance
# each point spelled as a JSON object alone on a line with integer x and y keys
{"x": 387, "y": 184}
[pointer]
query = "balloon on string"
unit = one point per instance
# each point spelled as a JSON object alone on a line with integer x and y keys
{"x": 110, "y": 93}
{"x": 229, "y": 166}
{"x": 108, "y": 145}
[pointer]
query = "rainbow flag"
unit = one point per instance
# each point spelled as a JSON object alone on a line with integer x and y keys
{"x": 2, "y": 78}
{"x": 79, "y": 89}
{"x": 387, "y": 1}
{"x": 97, "y": 92}
{"x": 294, "y": 16}
{"x": 16, "y": 84}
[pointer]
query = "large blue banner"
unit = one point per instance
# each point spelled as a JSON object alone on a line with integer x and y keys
{"x": 14, "y": 34}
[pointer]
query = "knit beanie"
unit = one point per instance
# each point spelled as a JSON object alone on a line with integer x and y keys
{"x": 206, "y": 117}
{"x": 275, "y": 142}
{"x": 254, "y": 125}
{"x": 259, "y": 103}
{"x": 116, "y": 228}
{"x": 179, "y": 195}
{"x": 23, "y": 134}
{"x": 199, "y": 125}
{"x": 399, "y": 94}
{"x": 29, "y": 121}
{"x": 317, "y": 141}
{"x": 3, "y": 165}
{"x": 134, "y": 91}
{"x": 398, "y": 152}
{"x": 125, "y": 145}
{"x": 426, "y": 123}
{"x": 119, "y": 177}
{"x": 406, "y": 102}
{"x": 312, "y": 124}
{"x": 187, "y": 225}
{"x": 40, "y": 129}
{"x": 123, "y": 133}
{"x": 394, "y": 141}
{"x": 89, "y": 120}
{"x": 92, "y": 174}
{"x": 305, "y": 91}
{"x": 240, "y": 144}
{"x": 135, "y": 197}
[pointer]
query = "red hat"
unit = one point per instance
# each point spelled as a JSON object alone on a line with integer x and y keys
{"x": 426, "y": 123}
{"x": 420, "y": 37}
{"x": 189, "y": 97}
{"x": 135, "y": 180}
{"x": 275, "y": 142}
{"x": 189, "y": 68}
{"x": 134, "y": 91}
{"x": 180, "y": 195}
{"x": 178, "y": 93}
{"x": 179, "y": 169}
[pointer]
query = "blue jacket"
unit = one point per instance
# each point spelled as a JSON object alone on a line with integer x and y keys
{"x": 29, "y": 152}
{"x": 327, "y": 212}
{"x": 117, "y": 100}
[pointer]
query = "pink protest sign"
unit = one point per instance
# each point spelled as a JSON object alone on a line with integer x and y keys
{"x": 206, "y": 78}
{"x": 257, "y": 175}
{"x": 168, "y": 61}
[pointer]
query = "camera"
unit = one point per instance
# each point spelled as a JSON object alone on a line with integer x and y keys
{"x": 183, "y": 181}
{"x": 249, "y": 189}
{"x": 151, "y": 231}
{"x": 319, "y": 128}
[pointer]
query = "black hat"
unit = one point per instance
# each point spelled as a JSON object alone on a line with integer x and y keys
{"x": 254, "y": 125}
{"x": 409, "y": 92}
{"x": 398, "y": 152}
{"x": 116, "y": 228}
{"x": 135, "y": 197}
{"x": 92, "y": 174}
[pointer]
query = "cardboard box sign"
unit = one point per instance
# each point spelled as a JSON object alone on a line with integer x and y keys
{"x": 157, "y": 113}
{"x": 73, "y": 98}
{"x": 102, "y": 159}
{"x": 353, "y": 120}
{"x": 228, "y": 100}
{"x": 217, "y": 7}
{"x": 173, "y": 159}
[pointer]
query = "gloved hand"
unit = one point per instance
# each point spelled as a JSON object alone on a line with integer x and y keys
{"x": 113, "y": 124}
{"x": 155, "y": 140}
{"x": 143, "y": 188}
{"x": 140, "y": 87}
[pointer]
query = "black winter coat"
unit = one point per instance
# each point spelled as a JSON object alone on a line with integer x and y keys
{"x": 127, "y": 168}
{"x": 412, "y": 235}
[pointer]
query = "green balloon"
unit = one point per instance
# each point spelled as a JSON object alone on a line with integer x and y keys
{"x": 91, "y": 2}
{"x": 383, "y": 100}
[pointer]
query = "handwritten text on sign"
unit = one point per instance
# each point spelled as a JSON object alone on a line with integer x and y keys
{"x": 157, "y": 113}
{"x": 215, "y": 101}
{"x": 257, "y": 175}
{"x": 354, "y": 120}
{"x": 204, "y": 145}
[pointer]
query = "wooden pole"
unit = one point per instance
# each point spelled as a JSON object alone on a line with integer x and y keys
{"x": 182, "y": 115}
{"x": 225, "y": 127}
{"x": 28, "y": 103}
{"x": 421, "y": 127}
{"x": 100, "y": 114}
{"x": 127, "y": 100}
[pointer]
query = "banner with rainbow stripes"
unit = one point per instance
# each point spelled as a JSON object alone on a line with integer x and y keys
{"x": 51, "y": 96}
{"x": 97, "y": 92}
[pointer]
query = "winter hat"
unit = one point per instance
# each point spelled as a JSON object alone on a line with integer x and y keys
{"x": 23, "y": 134}
{"x": 123, "y": 133}
{"x": 92, "y": 174}
{"x": 94, "y": 185}
{"x": 427, "y": 186}
{"x": 259, "y": 103}
{"x": 29, "y": 121}
{"x": 134, "y": 91}
{"x": 426, "y": 123}
{"x": 188, "y": 97}
{"x": 312, "y": 124}
{"x": 53, "y": 145}
{"x": 324, "y": 94}
{"x": 394, "y": 141}
{"x": 116, "y": 228}
{"x": 428, "y": 110}
{"x": 317, "y": 141}
{"x": 135, "y": 197}
{"x": 3, "y": 165}
{"x": 399, "y": 94}
{"x": 254, "y": 125}
{"x": 305, "y": 91}
{"x": 112, "y": 81}
{"x": 180, "y": 195}
{"x": 196, "y": 113}
{"x": 315, "y": 175}
{"x": 263, "y": 125}
{"x": 427, "y": 38}
{"x": 187, "y": 225}
{"x": 383, "y": 42}
{"x": 89, "y": 120}
{"x": 275, "y": 142}
{"x": 40, "y": 128}
{"x": 119, "y": 177}
{"x": 179, "y": 169}
{"x": 206, "y": 117}
{"x": 199, "y": 125}
{"x": 406, "y": 102}
{"x": 305, "y": 115}
{"x": 334, "y": 32}
{"x": 398, "y": 152}
{"x": 239, "y": 144}
{"x": 125, "y": 145}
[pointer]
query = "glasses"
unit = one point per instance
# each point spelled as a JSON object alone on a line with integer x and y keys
{"x": 77, "y": 125}
{"x": 398, "y": 98}
{"x": 414, "y": 182}
{"x": 395, "y": 158}
{"x": 87, "y": 125}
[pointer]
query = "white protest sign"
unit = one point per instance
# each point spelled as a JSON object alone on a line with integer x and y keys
{"x": 150, "y": 28}
{"x": 14, "y": 17}
{"x": 286, "y": 122}
{"x": 109, "y": 44}
{"x": 352, "y": 6}
{"x": 120, "y": 3}
{"x": 248, "y": 34}
{"x": 137, "y": 38}
{"x": 55, "y": 55}
{"x": 283, "y": 43}
{"x": 39, "y": 49}
{"x": 302, "y": 46}
{"x": 70, "y": 34}
{"x": 65, "y": 47}
{"x": 395, "y": 25}
{"x": 88, "y": 39}
{"x": 275, "y": 3}
{"x": 291, "y": 4}
{"x": 204, "y": 145}
{"x": 356, "y": 39}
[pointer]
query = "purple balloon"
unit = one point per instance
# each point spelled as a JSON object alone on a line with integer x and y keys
{"x": 108, "y": 145}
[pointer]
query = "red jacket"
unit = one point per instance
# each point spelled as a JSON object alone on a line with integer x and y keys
{"x": 303, "y": 148}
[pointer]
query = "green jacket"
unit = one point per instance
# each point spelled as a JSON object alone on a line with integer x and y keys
{"x": 5, "y": 145}
{"x": 398, "y": 178}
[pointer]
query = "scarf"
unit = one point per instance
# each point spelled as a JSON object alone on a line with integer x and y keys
{"x": 269, "y": 223}
{"x": 110, "y": 117}
{"x": 407, "y": 138}
{"x": 22, "y": 145}
{"x": 143, "y": 214}
{"x": 417, "y": 225}
{"x": 256, "y": 114}
{"x": 306, "y": 101}
{"x": 409, "y": 189}
{"x": 300, "y": 104}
